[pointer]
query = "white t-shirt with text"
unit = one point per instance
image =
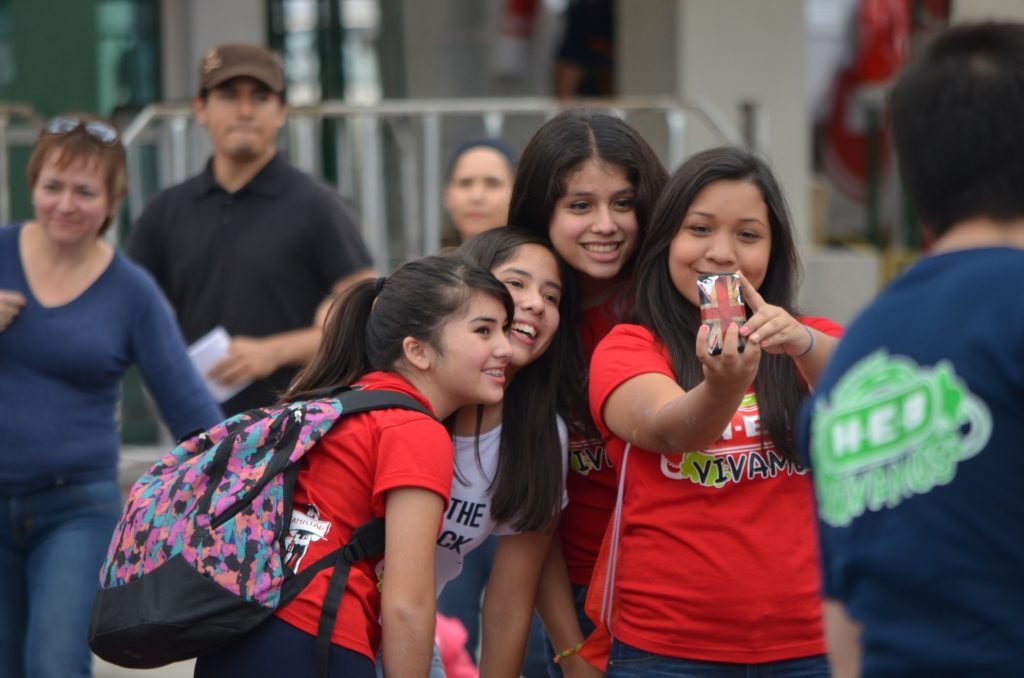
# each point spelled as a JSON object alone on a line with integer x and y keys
{"x": 467, "y": 519}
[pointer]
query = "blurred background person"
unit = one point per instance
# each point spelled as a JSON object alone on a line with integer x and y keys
{"x": 585, "y": 59}
{"x": 479, "y": 186}
{"x": 251, "y": 243}
{"x": 87, "y": 314}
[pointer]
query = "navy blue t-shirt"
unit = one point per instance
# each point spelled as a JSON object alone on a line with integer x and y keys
{"x": 917, "y": 449}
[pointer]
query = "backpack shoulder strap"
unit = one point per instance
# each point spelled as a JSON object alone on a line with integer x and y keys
{"x": 356, "y": 401}
{"x": 367, "y": 540}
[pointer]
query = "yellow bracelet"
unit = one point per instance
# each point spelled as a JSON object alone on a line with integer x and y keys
{"x": 566, "y": 652}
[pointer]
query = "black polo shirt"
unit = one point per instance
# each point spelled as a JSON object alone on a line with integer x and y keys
{"x": 258, "y": 261}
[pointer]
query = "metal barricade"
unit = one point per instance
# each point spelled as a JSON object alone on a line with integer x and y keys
{"x": 389, "y": 156}
{"x": 19, "y": 126}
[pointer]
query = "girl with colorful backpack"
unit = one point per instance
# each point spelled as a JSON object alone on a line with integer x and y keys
{"x": 435, "y": 331}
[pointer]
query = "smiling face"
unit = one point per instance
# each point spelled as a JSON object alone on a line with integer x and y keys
{"x": 478, "y": 191}
{"x": 242, "y": 117}
{"x": 594, "y": 225}
{"x": 726, "y": 228}
{"x": 474, "y": 353}
{"x": 532, "y": 277}
{"x": 71, "y": 203}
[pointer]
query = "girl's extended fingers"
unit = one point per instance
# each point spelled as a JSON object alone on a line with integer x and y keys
{"x": 773, "y": 335}
{"x": 751, "y": 296}
{"x": 702, "y": 343}
{"x": 767, "y": 330}
{"x": 759, "y": 323}
{"x": 753, "y": 324}
{"x": 731, "y": 340}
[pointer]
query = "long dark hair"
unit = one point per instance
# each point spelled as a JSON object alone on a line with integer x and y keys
{"x": 559, "y": 148}
{"x": 366, "y": 327}
{"x": 674, "y": 321}
{"x": 527, "y": 488}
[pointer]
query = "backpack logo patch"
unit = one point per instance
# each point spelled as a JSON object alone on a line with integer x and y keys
{"x": 306, "y": 527}
{"x": 893, "y": 429}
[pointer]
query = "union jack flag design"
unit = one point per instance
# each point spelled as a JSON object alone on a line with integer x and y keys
{"x": 720, "y": 303}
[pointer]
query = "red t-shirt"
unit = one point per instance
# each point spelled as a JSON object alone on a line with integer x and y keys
{"x": 718, "y": 555}
{"x": 342, "y": 484}
{"x": 590, "y": 485}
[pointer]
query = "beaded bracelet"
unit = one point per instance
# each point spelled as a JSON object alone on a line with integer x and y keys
{"x": 566, "y": 652}
{"x": 810, "y": 345}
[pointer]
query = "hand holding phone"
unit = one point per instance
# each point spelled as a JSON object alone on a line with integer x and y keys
{"x": 721, "y": 302}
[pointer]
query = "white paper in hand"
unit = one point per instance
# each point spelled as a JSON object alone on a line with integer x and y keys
{"x": 205, "y": 353}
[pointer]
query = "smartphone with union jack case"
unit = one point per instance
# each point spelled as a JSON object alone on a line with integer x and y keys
{"x": 721, "y": 302}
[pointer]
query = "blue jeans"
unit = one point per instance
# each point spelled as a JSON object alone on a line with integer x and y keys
{"x": 52, "y": 543}
{"x": 461, "y": 596}
{"x": 579, "y": 597}
{"x": 626, "y": 661}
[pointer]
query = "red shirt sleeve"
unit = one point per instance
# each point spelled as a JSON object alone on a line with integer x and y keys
{"x": 628, "y": 351}
{"x": 416, "y": 453}
{"x": 823, "y": 325}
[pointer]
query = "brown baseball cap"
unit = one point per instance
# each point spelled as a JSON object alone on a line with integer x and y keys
{"x": 238, "y": 60}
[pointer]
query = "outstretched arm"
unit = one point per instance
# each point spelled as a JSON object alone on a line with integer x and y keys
{"x": 653, "y": 412}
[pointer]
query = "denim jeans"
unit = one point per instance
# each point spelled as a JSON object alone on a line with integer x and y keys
{"x": 461, "y": 599}
{"x": 461, "y": 596}
{"x": 579, "y": 597}
{"x": 52, "y": 543}
{"x": 626, "y": 661}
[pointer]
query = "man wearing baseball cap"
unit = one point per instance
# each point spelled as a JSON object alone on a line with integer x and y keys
{"x": 251, "y": 243}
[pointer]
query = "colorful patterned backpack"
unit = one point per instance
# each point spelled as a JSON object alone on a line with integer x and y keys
{"x": 197, "y": 559}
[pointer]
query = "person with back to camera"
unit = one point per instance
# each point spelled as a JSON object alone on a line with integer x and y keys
{"x": 717, "y": 566}
{"x": 479, "y": 185}
{"x": 588, "y": 182}
{"x": 434, "y": 330}
{"x": 83, "y": 314}
{"x": 915, "y": 431}
{"x": 251, "y": 243}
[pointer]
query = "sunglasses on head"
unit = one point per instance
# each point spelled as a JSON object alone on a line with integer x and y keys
{"x": 65, "y": 124}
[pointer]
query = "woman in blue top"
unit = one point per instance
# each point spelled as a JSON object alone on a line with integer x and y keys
{"x": 74, "y": 315}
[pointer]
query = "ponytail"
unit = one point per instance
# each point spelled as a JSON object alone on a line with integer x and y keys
{"x": 366, "y": 328}
{"x": 341, "y": 358}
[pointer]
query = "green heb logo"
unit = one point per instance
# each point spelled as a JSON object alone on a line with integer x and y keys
{"x": 893, "y": 429}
